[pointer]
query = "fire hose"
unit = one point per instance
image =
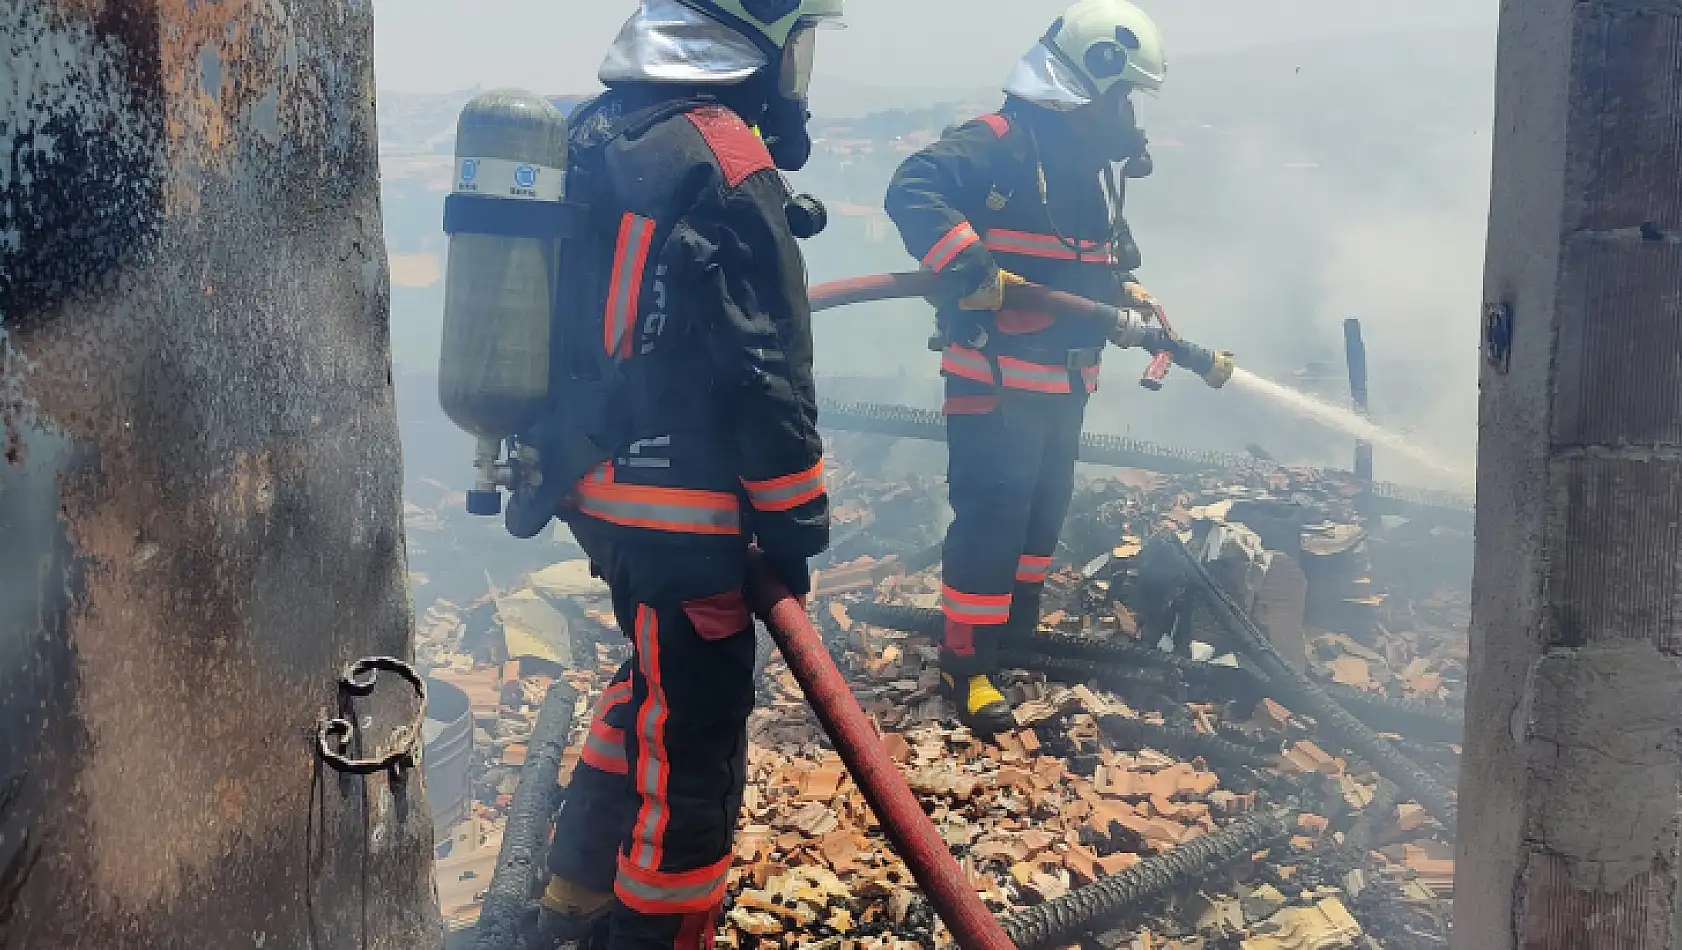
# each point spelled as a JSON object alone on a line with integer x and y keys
{"x": 1125, "y": 328}
{"x": 926, "y": 854}
{"x": 878, "y": 777}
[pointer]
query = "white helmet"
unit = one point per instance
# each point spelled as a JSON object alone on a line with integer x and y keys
{"x": 1094, "y": 46}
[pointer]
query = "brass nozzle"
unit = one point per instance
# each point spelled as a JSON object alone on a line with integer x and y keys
{"x": 1221, "y": 370}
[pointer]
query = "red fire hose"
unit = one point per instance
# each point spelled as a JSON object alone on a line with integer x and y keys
{"x": 1166, "y": 349}
{"x": 909, "y": 830}
{"x": 843, "y": 293}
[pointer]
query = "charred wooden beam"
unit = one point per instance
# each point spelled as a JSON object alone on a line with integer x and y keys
{"x": 1089, "y": 909}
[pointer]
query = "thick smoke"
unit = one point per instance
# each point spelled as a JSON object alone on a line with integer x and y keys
{"x": 1295, "y": 187}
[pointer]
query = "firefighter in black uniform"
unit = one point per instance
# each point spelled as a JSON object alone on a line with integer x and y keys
{"x": 706, "y": 313}
{"x": 1031, "y": 193}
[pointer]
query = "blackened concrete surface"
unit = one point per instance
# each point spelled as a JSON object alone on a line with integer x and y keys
{"x": 199, "y": 489}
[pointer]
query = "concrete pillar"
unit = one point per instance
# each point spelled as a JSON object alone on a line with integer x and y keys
{"x": 1569, "y": 807}
{"x": 199, "y": 499}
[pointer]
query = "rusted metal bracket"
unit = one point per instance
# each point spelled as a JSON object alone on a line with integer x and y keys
{"x": 401, "y": 752}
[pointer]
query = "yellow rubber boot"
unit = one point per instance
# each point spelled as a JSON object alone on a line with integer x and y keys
{"x": 981, "y": 706}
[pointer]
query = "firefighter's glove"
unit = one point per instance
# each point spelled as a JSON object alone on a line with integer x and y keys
{"x": 1137, "y": 297}
{"x": 792, "y": 572}
{"x": 990, "y": 296}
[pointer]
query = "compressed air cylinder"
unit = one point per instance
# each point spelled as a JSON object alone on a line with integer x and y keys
{"x": 493, "y": 373}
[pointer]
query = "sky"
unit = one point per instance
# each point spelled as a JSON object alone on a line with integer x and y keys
{"x": 426, "y": 46}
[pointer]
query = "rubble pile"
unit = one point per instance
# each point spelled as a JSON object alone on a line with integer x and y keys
{"x": 1146, "y": 724}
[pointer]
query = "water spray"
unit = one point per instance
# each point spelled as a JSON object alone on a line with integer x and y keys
{"x": 1150, "y": 331}
{"x": 1346, "y": 421}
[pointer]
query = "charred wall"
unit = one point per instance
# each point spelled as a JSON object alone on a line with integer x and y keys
{"x": 199, "y": 495}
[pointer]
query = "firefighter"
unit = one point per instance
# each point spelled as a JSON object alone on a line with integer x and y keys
{"x": 707, "y": 316}
{"x": 1030, "y": 193}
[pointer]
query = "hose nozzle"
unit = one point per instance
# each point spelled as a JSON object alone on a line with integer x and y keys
{"x": 1220, "y": 373}
{"x": 1215, "y": 367}
{"x": 1130, "y": 329}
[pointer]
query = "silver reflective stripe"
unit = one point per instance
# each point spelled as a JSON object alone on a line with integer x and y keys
{"x": 652, "y": 752}
{"x": 1036, "y": 247}
{"x": 602, "y": 748}
{"x": 635, "y": 232}
{"x": 970, "y": 360}
{"x": 642, "y": 513}
{"x": 1016, "y": 373}
{"x": 687, "y": 894}
{"x": 1027, "y": 242}
{"x": 949, "y": 247}
{"x": 966, "y": 611}
{"x": 783, "y": 494}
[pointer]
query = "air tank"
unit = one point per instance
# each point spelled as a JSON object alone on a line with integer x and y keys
{"x": 493, "y": 373}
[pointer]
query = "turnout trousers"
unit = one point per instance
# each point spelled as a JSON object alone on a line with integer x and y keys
{"x": 651, "y": 811}
{"x": 1011, "y": 473}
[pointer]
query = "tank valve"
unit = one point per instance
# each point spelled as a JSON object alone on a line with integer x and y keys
{"x": 485, "y": 499}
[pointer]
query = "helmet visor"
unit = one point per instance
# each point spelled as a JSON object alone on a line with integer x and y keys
{"x": 794, "y": 79}
{"x": 798, "y": 57}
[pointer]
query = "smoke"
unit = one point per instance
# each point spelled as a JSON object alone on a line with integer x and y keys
{"x": 1295, "y": 187}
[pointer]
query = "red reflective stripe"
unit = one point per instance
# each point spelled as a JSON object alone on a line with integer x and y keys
{"x": 979, "y": 600}
{"x": 949, "y": 247}
{"x": 1090, "y": 375}
{"x": 1033, "y": 569}
{"x": 604, "y": 745}
{"x": 624, "y": 295}
{"x": 678, "y": 510}
{"x": 982, "y": 610}
{"x": 1019, "y": 374}
{"x": 653, "y": 766}
{"x": 1004, "y": 241}
{"x": 1033, "y": 377}
{"x": 615, "y": 695}
{"x": 998, "y": 123}
{"x": 650, "y": 891}
{"x": 604, "y": 763}
{"x": 1036, "y": 386}
{"x": 658, "y": 878}
{"x": 787, "y": 492}
{"x": 965, "y": 363}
